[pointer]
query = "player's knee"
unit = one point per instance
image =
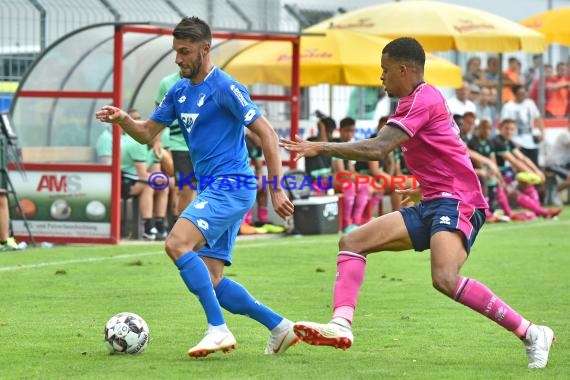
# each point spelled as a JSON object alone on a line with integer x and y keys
{"x": 348, "y": 243}
{"x": 444, "y": 283}
{"x": 175, "y": 247}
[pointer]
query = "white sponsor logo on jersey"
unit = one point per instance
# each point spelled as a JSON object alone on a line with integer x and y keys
{"x": 203, "y": 224}
{"x": 238, "y": 95}
{"x": 201, "y": 205}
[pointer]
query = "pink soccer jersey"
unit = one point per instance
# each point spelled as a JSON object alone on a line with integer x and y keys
{"x": 434, "y": 151}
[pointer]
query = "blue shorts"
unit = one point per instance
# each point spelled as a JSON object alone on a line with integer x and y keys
{"x": 442, "y": 214}
{"x": 218, "y": 214}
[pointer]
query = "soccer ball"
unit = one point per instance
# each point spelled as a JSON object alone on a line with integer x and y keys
{"x": 126, "y": 333}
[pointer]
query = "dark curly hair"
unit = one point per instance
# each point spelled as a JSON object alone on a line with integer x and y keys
{"x": 406, "y": 49}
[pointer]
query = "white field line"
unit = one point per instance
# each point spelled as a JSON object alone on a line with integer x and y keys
{"x": 268, "y": 243}
{"x": 522, "y": 225}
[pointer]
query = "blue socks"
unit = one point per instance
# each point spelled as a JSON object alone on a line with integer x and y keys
{"x": 236, "y": 299}
{"x": 197, "y": 279}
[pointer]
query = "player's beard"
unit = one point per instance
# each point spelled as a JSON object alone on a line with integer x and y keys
{"x": 195, "y": 68}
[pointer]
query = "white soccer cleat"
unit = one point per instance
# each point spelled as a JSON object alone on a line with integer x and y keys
{"x": 279, "y": 342}
{"x": 327, "y": 334}
{"x": 214, "y": 341}
{"x": 537, "y": 343}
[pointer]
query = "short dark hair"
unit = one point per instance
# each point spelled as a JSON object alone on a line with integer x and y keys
{"x": 507, "y": 121}
{"x": 347, "y": 122}
{"x": 406, "y": 49}
{"x": 192, "y": 29}
{"x": 516, "y": 88}
{"x": 329, "y": 123}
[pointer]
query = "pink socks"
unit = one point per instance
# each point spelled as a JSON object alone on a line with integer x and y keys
{"x": 348, "y": 203}
{"x": 503, "y": 200}
{"x": 349, "y": 277}
{"x": 248, "y": 219}
{"x": 478, "y": 297}
{"x": 262, "y": 215}
{"x": 530, "y": 204}
{"x": 362, "y": 196}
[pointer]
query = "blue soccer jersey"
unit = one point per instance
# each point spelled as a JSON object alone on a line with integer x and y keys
{"x": 212, "y": 115}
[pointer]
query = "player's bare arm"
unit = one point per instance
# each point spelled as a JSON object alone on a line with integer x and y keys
{"x": 374, "y": 149}
{"x": 528, "y": 162}
{"x": 143, "y": 131}
{"x": 516, "y": 163}
{"x": 270, "y": 145}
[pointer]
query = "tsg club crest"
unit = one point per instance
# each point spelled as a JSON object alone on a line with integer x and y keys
{"x": 188, "y": 119}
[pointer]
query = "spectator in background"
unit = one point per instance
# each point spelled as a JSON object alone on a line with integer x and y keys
{"x": 511, "y": 78}
{"x": 385, "y": 169}
{"x": 491, "y": 73}
{"x": 533, "y": 72}
{"x": 321, "y": 166}
{"x": 558, "y": 161}
{"x": 488, "y": 176}
{"x": 513, "y": 163}
{"x": 104, "y": 145}
{"x": 473, "y": 73}
{"x": 354, "y": 199}
{"x": 159, "y": 197}
{"x": 486, "y": 107}
{"x": 530, "y": 126}
{"x": 533, "y": 92}
{"x": 557, "y": 86}
{"x": 460, "y": 103}
{"x": 467, "y": 126}
{"x": 134, "y": 169}
{"x": 7, "y": 242}
{"x": 262, "y": 225}
{"x": 474, "y": 93}
{"x": 363, "y": 101}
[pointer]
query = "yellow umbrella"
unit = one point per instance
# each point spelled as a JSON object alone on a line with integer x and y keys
{"x": 554, "y": 24}
{"x": 338, "y": 57}
{"x": 439, "y": 27}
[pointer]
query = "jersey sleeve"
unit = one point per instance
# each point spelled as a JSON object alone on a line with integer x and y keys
{"x": 234, "y": 97}
{"x": 165, "y": 113}
{"x": 162, "y": 90}
{"x": 410, "y": 116}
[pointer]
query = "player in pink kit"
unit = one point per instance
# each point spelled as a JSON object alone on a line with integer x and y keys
{"x": 447, "y": 220}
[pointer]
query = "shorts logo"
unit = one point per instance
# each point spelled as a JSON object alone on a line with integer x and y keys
{"x": 445, "y": 220}
{"x": 201, "y": 100}
{"x": 182, "y": 99}
{"x": 238, "y": 95}
{"x": 201, "y": 205}
{"x": 188, "y": 119}
{"x": 203, "y": 224}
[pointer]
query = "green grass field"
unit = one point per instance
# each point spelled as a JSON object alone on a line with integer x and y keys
{"x": 54, "y": 304}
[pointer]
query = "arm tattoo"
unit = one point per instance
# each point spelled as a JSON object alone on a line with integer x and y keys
{"x": 374, "y": 149}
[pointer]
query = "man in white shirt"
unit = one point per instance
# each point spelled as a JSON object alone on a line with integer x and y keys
{"x": 530, "y": 127}
{"x": 460, "y": 104}
{"x": 558, "y": 159}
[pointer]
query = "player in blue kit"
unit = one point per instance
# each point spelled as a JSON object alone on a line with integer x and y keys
{"x": 212, "y": 110}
